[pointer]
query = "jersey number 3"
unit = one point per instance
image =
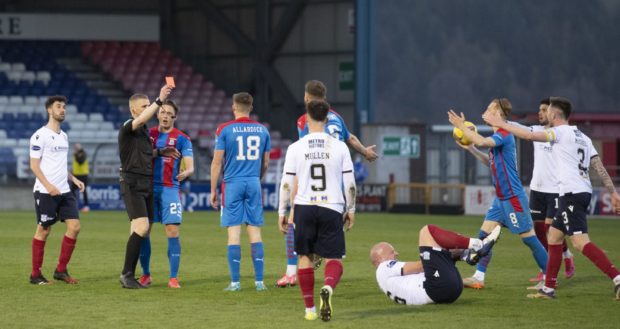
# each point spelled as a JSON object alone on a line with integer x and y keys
{"x": 252, "y": 152}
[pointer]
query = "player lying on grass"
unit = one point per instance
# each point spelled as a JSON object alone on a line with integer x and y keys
{"x": 434, "y": 278}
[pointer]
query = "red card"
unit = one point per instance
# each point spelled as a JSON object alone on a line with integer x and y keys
{"x": 170, "y": 82}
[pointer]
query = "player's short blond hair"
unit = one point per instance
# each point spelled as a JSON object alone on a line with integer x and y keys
{"x": 136, "y": 97}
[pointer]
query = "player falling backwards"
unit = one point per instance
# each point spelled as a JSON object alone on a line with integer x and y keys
{"x": 335, "y": 126}
{"x": 510, "y": 206}
{"x": 434, "y": 278}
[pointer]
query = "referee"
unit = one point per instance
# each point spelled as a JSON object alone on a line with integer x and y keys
{"x": 136, "y": 176}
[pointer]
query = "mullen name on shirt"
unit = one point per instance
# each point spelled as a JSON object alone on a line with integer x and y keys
{"x": 317, "y": 156}
{"x": 247, "y": 129}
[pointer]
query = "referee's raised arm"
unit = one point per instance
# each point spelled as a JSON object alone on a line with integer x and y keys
{"x": 149, "y": 111}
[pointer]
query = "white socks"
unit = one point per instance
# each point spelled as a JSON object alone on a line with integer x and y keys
{"x": 479, "y": 275}
{"x": 291, "y": 270}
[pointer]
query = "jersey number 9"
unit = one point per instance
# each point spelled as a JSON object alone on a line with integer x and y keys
{"x": 252, "y": 152}
{"x": 317, "y": 172}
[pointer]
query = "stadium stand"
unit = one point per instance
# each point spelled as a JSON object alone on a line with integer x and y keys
{"x": 97, "y": 78}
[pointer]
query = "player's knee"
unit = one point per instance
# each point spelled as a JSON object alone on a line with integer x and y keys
{"x": 424, "y": 231}
{"x": 74, "y": 228}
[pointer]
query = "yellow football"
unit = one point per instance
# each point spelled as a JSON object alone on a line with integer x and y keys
{"x": 457, "y": 133}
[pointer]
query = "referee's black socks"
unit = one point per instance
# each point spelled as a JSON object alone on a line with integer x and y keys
{"x": 132, "y": 253}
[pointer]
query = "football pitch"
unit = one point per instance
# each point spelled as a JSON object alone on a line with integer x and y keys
{"x": 584, "y": 301}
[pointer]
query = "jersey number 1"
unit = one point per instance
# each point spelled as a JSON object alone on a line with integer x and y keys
{"x": 252, "y": 142}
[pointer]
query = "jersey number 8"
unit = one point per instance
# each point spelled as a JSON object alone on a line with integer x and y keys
{"x": 252, "y": 153}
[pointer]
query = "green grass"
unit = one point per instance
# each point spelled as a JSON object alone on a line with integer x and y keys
{"x": 585, "y": 301}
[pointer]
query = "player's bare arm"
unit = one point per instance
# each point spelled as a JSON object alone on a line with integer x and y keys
{"x": 150, "y": 110}
{"x": 291, "y": 214}
{"x": 597, "y": 165}
{"x": 495, "y": 120}
{"x": 413, "y": 268}
{"x": 286, "y": 186}
{"x": 481, "y": 156}
{"x": 80, "y": 185}
{"x": 189, "y": 168}
{"x": 35, "y": 166}
{"x": 216, "y": 169}
{"x": 476, "y": 139}
{"x": 264, "y": 165}
{"x": 368, "y": 152}
{"x": 348, "y": 180}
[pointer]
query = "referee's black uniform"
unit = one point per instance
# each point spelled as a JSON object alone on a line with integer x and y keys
{"x": 136, "y": 179}
{"x": 136, "y": 153}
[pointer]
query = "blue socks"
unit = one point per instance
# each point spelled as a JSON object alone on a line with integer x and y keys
{"x": 258, "y": 258}
{"x": 538, "y": 251}
{"x": 174, "y": 256}
{"x": 145, "y": 256}
{"x": 291, "y": 256}
{"x": 484, "y": 261}
{"x": 234, "y": 261}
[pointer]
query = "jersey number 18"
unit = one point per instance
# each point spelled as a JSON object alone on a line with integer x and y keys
{"x": 252, "y": 152}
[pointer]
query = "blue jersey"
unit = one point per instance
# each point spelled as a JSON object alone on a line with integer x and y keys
{"x": 166, "y": 169}
{"x": 244, "y": 143}
{"x": 503, "y": 163}
{"x": 335, "y": 126}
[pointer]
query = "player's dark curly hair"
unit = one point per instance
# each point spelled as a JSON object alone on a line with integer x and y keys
{"x": 56, "y": 98}
{"x": 317, "y": 110}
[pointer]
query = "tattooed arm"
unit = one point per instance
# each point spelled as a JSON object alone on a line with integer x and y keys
{"x": 597, "y": 165}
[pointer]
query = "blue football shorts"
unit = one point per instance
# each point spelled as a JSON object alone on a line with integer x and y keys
{"x": 167, "y": 205}
{"x": 242, "y": 203}
{"x": 513, "y": 213}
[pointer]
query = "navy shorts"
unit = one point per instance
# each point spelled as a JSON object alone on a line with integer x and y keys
{"x": 137, "y": 192}
{"x": 543, "y": 205}
{"x": 51, "y": 209}
{"x": 443, "y": 282}
{"x": 571, "y": 217}
{"x": 318, "y": 230}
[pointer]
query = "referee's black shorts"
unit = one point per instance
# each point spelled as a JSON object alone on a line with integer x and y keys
{"x": 137, "y": 192}
{"x": 443, "y": 282}
{"x": 318, "y": 230}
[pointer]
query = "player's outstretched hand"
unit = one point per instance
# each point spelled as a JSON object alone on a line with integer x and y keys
{"x": 493, "y": 119}
{"x": 214, "y": 201}
{"x": 164, "y": 93}
{"x": 615, "y": 201}
{"x": 455, "y": 119}
{"x": 349, "y": 220}
{"x": 371, "y": 154}
{"x": 171, "y": 152}
{"x": 282, "y": 224}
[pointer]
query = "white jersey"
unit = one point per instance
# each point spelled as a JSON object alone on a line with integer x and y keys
{"x": 544, "y": 175}
{"x": 402, "y": 289}
{"x": 53, "y": 149}
{"x": 572, "y": 151}
{"x": 319, "y": 160}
